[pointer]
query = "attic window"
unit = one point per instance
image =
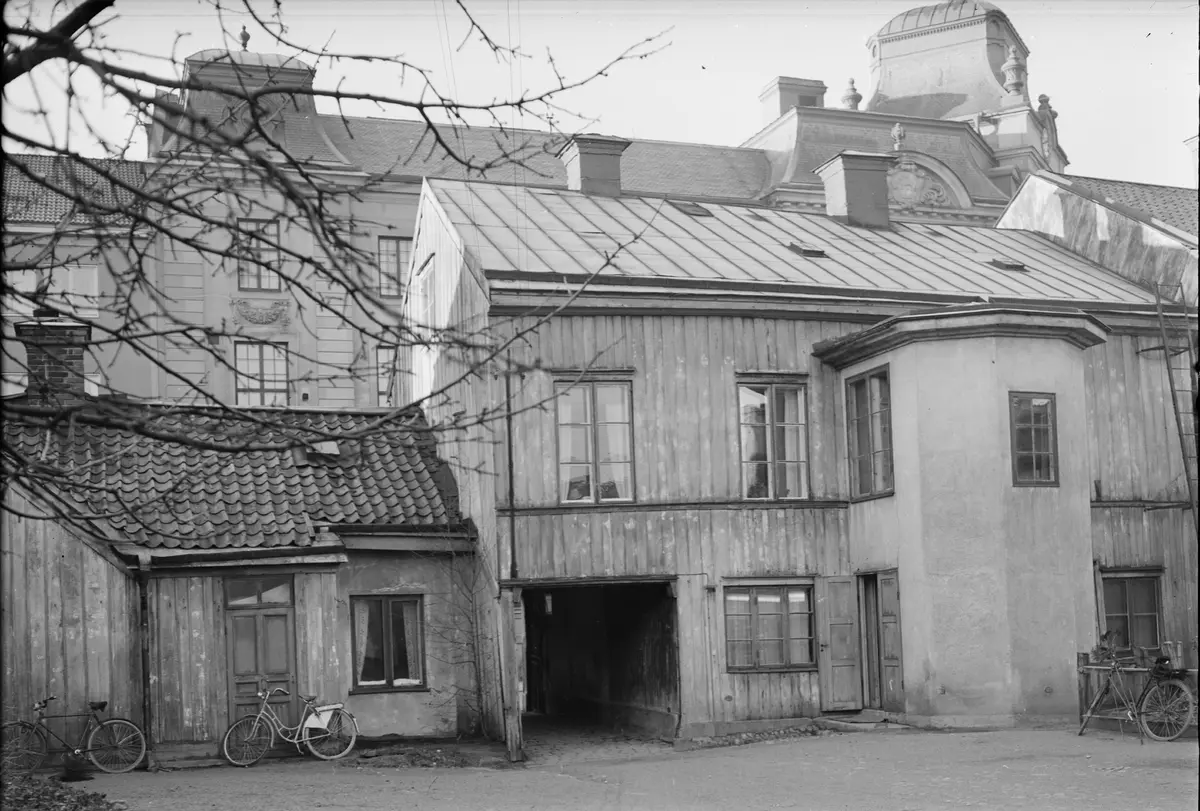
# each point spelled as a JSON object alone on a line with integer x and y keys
{"x": 1008, "y": 264}
{"x": 804, "y": 249}
{"x": 695, "y": 209}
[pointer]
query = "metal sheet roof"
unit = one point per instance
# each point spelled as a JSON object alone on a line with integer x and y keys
{"x": 512, "y": 229}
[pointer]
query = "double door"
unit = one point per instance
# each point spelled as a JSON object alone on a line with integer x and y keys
{"x": 260, "y": 634}
{"x": 860, "y": 653}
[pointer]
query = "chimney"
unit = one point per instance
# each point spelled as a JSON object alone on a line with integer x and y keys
{"x": 784, "y": 93}
{"x": 593, "y": 164}
{"x": 54, "y": 349}
{"x": 856, "y": 188}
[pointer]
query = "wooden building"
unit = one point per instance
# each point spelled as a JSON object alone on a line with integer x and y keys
{"x": 187, "y": 578}
{"x": 759, "y": 464}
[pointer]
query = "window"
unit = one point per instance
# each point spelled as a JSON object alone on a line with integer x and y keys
{"x": 262, "y": 373}
{"x": 769, "y": 628}
{"x": 774, "y": 440}
{"x": 248, "y": 592}
{"x": 18, "y": 286}
{"x": 1034, "y": 440}
{"x": 869, "y": 422}
{"x": 72, "y": 289}
{"x": 385, "y": 373}
{"x": 393, "y": 260}
{"x": 595, "y": 443}
{"x": 388, "y": 649}
{"x": 1131, "y": 610}
{"x": 259, "y": 257}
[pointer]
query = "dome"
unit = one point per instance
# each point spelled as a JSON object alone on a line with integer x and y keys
{"x": 249, "y": 59}
{"x": 940, "y": 14}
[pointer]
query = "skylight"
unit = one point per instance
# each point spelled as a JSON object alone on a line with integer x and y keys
{"x": 695, "y": 209}
{"x": 1008, "y": 264}
{"x": 804, "y": 249}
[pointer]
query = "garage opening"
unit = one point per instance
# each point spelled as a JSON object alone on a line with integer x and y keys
{"x": 602, "y": 656}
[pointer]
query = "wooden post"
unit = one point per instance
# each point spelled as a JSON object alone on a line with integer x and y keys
{"x": 1081, "y": 659}
{"x": 510, "y": 677}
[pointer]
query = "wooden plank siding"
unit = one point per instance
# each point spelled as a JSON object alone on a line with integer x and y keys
{"x": 70, "y": 621}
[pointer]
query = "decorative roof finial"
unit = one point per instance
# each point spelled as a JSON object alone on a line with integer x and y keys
{"x": 1044, "y": 106}
{"x": 244, "y": 37}
{"x": 851, "y": 97}
{"x": 1014, "y": 72}
{"x": 898, "y": 133}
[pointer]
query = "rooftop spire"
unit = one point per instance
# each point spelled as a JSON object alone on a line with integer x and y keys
{"x": 851, "y": 97}
{"x": 244, "y": 37}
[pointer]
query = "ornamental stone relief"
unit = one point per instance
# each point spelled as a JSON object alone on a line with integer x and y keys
{"x": 274, "y": 313}
{"x": 910, "y": 186}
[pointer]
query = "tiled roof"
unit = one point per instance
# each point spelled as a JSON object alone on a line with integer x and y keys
{"x": 390, "y": 146}
{"x": 562, "y": 234}
{"x": 927, "y": 16}
{"x": 159, "y": 494}
{"x": 29, "y": 201}
{"x": 1177, "y": 207}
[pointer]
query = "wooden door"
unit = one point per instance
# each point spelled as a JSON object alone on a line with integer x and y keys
{"x": 840, "y": 657}
{"x": 868, "y": 606}
{"x": 891, "y": 664}
{"x": 261, "y": 656}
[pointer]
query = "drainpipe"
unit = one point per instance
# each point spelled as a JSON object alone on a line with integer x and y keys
{"x": 512, "y": 499}
{"x": 144, "y": 624}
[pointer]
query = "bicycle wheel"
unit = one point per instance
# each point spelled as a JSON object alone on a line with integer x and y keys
{"x": 1166, "y": 710}
{"x": 248, "y": 740}
{"x": 1087, "y": 716}
{"x": 116, "y": 746}
{"x": 335, "y": 740}
{"x": 23, "y": 745}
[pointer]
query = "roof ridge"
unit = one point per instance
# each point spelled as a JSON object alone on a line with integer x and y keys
{"x": 1131, "y": 182}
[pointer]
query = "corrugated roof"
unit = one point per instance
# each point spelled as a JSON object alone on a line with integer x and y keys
{"x": 560, "y": 233}
{"x": 390, "y": 146}
{"x": 90, "y": 194}
{"x": 1176, "y": 206}
{"x": 164, "y": 494}
{"x": 938, "y": 14}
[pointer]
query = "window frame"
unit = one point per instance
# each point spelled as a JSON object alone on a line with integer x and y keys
{"x": 799, "y": 383}
{"x": 852, "y": 420}
{"x": 253, "y": 277}
{"x": 386, "y": 601}
{"x": 259, "y": 581}
{"x": 403, "y": 257}
{"x": 61, "y": 286}
{"x": 1013, "y": 407}
{"x": 562, "y": 386}
{"x": 239, "y": 376}
{"x": 782, "y": 588}
{"x": 1124, "y": 576}
{"x": 385, "y": 381}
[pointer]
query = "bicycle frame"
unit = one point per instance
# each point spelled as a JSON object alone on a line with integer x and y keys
{"x": 80, "y": 747}
{"x": 310, "y": 717}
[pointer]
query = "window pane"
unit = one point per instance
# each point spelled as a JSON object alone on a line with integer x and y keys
{"x": 770, "y": 653}
{"x": 368, "y": 641}
{"x": 277, "y": 590}
{"x": 798, "y": 600}
{"x": 574, "y": 444}
{"x": 404, "y": 638}
{"x": 612, "y": 403}
{"x": 1024, "y": 440}
{"x": 856, "y": 396}
{"x": 740, "y": 654}
{"x": 754, "y": 443}
{"x": 1041, "y": 439}
{"x": 1118, "y": 630}
{"x": 1025, "y": 469}
{"x": 1142, "y": 596}
{"x": 862, "y": 478}
{"x": 787, "y": 405}
{"x": 1114, "y": 597}
{"x": 737, "y": 627}
{"x": 737, "y": 602}
{"x": 1145, "y": 631}
{"x": 616, "y": 481}
{"x": 768, "y": 601}
{"x": 790, "y": 480}
{"x": 275, "y": 645}
{"x": 881, "y": 398}
{"x": 245, "y": 640}
{"x": 575, "y": 482}
{"x": 1043, "y": 467}
{"x": 800, "y": 652}
{"x": 800, "y": 626}
{"x": 770, "y": 626}
{"x": 573, "y": 406}
{"x": 614, "y": 443}
{"x": 789, "y": 443}
{"x": 882, "y": 466}
{"x": 752, "y": 402}
{"x": 1041, "y": 408}
{"x": 754, "y": 481}
{"x": 241, "y": 592}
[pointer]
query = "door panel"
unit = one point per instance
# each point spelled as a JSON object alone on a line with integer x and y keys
{"x": 261, "y": 656}
{"x": 840, "y": 658}
{"x": 890, "y": 649}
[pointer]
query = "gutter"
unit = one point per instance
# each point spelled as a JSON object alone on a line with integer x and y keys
{"x": 143, "y": 570}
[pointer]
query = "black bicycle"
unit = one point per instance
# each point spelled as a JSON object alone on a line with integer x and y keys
{"x": 114, "y": 746}
{"x": 1162, "y": 711}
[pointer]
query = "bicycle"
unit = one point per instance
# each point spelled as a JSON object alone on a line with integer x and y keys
{"x": 115, "y": 746}
{"x": 328, "y": 731}
{"x": 1162, "y": 711}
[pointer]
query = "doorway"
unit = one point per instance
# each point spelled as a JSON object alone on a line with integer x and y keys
{"x": 883, "y": 675}
{"x": 260, "y": 629}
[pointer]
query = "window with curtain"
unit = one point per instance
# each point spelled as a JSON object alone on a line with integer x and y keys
{"x": 869, "y": 425}
{"x": 774, "y": 440}
{"x": 769, "y": 628}
{"x": 388, "y": 642}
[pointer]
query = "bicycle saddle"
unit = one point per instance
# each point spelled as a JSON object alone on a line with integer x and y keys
{"x": 307, "y": 699}
{"x": 98, "y": 706}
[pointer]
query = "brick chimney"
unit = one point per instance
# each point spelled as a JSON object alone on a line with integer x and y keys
{"x": 785, "y": 92}
{"x": 593, "y": 164}
{"x": 54, "y": 350}
{"x": 856, "y": 188}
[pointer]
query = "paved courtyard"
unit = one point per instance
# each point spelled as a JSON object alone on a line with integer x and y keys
{"x": 899, "y": 771}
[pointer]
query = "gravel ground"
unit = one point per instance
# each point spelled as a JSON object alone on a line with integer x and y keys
{"x": 896, "y": 770}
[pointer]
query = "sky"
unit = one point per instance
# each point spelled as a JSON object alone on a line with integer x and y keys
{"x": 1122, "y": 74}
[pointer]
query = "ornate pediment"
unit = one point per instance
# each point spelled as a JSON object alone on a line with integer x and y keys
{"x": 262, "y": 314}
{"x": 910, "y": 185}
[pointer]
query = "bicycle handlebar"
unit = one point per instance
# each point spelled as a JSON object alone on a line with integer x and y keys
{"x": 41, "y": 705}
{"x": 274, "y": 691}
